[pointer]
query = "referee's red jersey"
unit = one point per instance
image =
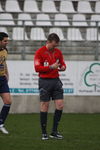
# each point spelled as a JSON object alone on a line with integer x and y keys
{"x": 44, "y": 58}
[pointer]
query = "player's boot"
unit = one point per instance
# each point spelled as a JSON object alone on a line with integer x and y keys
{"x": 3, "y": 129}
{"x": 56, "y": 135}
{"x": 45, "y": 137}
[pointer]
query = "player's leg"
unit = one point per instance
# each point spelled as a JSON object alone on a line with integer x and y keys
{"x": 5, "y": 110}
{"x": 5, "y": 95}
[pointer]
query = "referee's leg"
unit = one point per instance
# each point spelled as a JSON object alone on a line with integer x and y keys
{"x": 59, "y": 104}
{"x": 43, "y": 118}
{"x": 44, "y": 105}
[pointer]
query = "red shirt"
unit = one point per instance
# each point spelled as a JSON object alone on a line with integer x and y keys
{"x": 44, "y": 58}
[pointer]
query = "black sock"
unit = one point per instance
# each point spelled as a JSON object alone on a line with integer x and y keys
{"x": 4, "y": 113}
{"x": 57, "y": 117}
{"x": 43, "y": 121}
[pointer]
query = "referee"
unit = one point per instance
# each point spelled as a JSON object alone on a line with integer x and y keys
{"x": 48, "y": 62}
{"x": 4, "y": 88}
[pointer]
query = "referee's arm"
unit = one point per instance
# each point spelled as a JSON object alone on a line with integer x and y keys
{"x": 39, "y": 64}
{"x": 62, "y": 63}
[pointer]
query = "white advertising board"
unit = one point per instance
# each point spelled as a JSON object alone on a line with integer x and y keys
{"x": 80, "y": 78}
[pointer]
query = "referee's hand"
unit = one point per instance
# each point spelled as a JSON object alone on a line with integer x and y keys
{"x": 63, "y": 68}
{"x": 55, "y": 65}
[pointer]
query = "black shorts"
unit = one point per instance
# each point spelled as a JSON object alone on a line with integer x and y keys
{"x": 50, "y": 89}
{"x": 4, "y": 88}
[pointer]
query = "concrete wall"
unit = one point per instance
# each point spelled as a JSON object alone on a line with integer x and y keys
{"x": 72, "y": 104}
{"x": 66, "y": 57}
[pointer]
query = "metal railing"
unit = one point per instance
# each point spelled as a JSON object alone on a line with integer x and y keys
{"x": 84, "y": 46}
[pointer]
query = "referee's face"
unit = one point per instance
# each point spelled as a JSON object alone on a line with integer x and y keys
{"x": 52, "y": 44}
{"x": 4, "y": 42}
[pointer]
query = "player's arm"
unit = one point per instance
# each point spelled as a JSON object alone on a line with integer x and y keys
{"x": 62, "y": 66}
{"x": 7, "y": 73}
{"x": 39, "y": 65}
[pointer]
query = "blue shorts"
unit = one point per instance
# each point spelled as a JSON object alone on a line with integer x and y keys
{"x": 4, "y": 88}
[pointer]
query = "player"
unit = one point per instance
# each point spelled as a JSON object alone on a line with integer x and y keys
{"x": 4, "y": 77}
{"x": 48, "y": 62}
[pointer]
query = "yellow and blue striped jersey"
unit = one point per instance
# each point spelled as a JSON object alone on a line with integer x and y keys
{"x": 3, "y": 57}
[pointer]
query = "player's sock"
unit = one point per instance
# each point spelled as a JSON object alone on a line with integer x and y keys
{"x": 57, "y": 117}
{"x": 4, "y": 113}
{"x": 43, "y": 121}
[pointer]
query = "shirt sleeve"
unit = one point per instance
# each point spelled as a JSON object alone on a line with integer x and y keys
{"x": 62, "y": 62}
{"x": 39, "y": 64}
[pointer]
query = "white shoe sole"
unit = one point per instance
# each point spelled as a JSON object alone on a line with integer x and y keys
{"x": 3, "y": 130}
{"x": 45, "y": 138}
{"x": 53, "y": 137}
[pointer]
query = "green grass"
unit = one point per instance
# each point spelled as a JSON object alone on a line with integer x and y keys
{"x": 81, "y": 132}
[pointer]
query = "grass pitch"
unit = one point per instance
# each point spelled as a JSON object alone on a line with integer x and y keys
{"x": 81, "y": 132}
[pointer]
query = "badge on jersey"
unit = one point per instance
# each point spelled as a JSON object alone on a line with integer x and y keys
{"x": 46, "y": 63}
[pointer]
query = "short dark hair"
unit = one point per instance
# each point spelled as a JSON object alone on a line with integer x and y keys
{"x": 53, "y": 37}
{"x": 3, "y": 35}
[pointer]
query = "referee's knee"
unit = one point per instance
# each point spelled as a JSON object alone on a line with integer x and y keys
{"x": 44, "y": 106}
{"x": 59, "y": 105}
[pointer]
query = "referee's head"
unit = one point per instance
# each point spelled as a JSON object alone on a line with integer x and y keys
{"x": 53, "y": 40}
